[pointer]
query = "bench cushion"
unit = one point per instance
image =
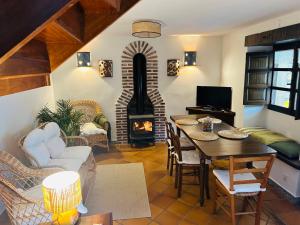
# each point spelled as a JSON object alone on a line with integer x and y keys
{"x": 290, "y": 149}
{"x": 55, "y": 144}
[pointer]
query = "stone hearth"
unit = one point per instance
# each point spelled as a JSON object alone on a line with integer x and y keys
{"x": 152, "y": 90}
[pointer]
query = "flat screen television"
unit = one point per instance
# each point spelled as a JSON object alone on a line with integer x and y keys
{"x": 215, "y": 97}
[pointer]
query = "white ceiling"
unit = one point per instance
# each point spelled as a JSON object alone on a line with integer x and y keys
{"x": 209, "y": 17}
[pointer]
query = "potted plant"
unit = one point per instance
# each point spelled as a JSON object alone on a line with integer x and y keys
{"x": 65, "y": 116}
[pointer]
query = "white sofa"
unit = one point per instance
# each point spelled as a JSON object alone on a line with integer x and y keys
{"x": 48, "y": 147}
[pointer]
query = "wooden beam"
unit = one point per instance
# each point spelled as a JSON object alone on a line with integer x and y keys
{"x": 73, "y": 21}
{"x": 100, "y": 6}
{"x": 31, "y": 58}
{"x": 21, "y": 21}
{"x": 13, "y": 84}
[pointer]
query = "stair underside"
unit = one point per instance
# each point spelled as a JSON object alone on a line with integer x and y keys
{"x": 69, "y": 26}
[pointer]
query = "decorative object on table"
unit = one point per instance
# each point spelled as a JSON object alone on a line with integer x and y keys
{"x": 106, "y": 68}
{"x": 186, "y": 122}
{"x": 233, "y": 134}
{"x": 67, "y": 118}
{"x": 62, "y": 197}
{"x": 203, "y": 136}
{"x": 146, "y": 29}
{"x": 190, "y": 58}
{"x": 173, "y": 67}
{"x": 213, "y": 120}
{"x": 207, "y": 125}
{"x": 83, "y": 59}
{"x": 92, "y": 113}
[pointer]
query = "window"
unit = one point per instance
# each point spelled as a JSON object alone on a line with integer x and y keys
{"x": 284, "y": 90}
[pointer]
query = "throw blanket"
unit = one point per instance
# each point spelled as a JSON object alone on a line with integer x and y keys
{"x": 264, "y": 136}
{"x": 90, "y": 128}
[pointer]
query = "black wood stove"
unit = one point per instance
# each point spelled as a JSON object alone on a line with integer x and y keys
{"x": 140, "y": 109}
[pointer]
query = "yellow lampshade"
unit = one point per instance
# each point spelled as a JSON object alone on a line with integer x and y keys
{"x": 62, "y": 192}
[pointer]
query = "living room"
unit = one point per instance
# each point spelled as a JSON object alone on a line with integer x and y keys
{"x": 216, "y": 33}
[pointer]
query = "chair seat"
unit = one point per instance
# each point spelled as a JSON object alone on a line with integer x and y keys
{"x": 190, "y": 157}
{"x": 76, "y": 152}
{"x": 67, "y": 164}
{"x": 186, "y": 144}
{"x": 223, "y": 177}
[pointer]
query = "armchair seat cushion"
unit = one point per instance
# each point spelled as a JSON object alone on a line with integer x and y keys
{"x": 91, "y": 128}
{"x": 223, "y": 177}
{"x": 67, "y": 164}
{"x": 76, "y": 152}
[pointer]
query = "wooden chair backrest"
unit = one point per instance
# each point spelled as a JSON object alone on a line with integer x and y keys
{"x": 176, "y": 143}
{"x": 262, "y": 173}
{"x": 168, "y": 128}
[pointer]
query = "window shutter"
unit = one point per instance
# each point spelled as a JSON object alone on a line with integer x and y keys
{"x": 258, "y": 74}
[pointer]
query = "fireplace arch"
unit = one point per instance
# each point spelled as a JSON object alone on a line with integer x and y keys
{"x": 150, "y": 55}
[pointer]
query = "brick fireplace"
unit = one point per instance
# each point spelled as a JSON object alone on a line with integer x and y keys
{"x": 128, "y": 88}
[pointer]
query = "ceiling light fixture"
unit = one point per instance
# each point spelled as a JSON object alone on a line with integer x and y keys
{"x": 146, "y": 29}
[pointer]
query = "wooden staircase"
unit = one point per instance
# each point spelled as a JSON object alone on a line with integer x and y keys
{"x": 36, "y": 38}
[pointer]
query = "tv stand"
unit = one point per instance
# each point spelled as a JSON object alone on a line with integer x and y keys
{"x": 224, "y": 115}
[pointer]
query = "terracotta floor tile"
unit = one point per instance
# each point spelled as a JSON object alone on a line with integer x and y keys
{"x": 168, "y": 180}
{"x": 178, "y": 208}
{"x": 140, "y": 221}
{"x": 198, "y": 216}
{"x": 291, "y": 218}
{"x": 153, "y": 223}
{"x": 184, "y": 222}
{"x": 159, "y": 187}
{"x": 155, "y": 211}
{"x": 188, "y": 199}
{"x": 167, "y": 218}
{"x": 163, "y": 201}
{"x": 152, "y": 194}
{"x": 171, "y": 192}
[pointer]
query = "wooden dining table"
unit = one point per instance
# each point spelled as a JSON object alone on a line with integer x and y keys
{"x": 222, "y": 148}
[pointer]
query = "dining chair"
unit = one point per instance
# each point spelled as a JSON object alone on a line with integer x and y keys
{"x": 185, "y": 144}
{"x": 240, "y": 181}
{"x": 184, "y": 160}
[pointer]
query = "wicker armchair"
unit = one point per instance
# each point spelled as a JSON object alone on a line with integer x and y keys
{"x": 20, "y": 191}
{"x": 91, "y": 109}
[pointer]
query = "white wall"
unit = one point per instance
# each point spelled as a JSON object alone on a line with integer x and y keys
{"x": 17, "y": 117}
{"x": 233, "y": 73}
{"x": 71, "y": 82}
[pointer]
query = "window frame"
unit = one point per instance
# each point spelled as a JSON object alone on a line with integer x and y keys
{"x": 293, "y": 90}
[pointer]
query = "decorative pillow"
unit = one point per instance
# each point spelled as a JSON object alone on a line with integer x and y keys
{"x": 55, "y": 144}
{"x": 290, "y": 149}
{"x": 34, "y": 145}
{"x": 100, "y": 119}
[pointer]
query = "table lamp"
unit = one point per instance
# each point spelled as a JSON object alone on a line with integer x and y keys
{"x": 62, "y": 196}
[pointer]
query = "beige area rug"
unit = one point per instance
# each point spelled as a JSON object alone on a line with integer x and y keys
{"x": 120, "y": 189}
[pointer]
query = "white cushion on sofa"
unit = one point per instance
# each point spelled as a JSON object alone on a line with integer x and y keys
{"x": 76, "y": 152}
{"x": 55, "y": 144}
{"x": 67, "y": 164}
{"x": 34, "y": 145}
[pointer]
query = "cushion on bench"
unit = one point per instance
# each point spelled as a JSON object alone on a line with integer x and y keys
{"x": 290, "y": 149}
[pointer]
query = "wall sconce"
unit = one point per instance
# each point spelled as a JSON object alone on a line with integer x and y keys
{"x": 190, "y": 58}
{"x": 106, "y": 68}
{"x": 83, "y": 59}
{"x": 173, "y": 67}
